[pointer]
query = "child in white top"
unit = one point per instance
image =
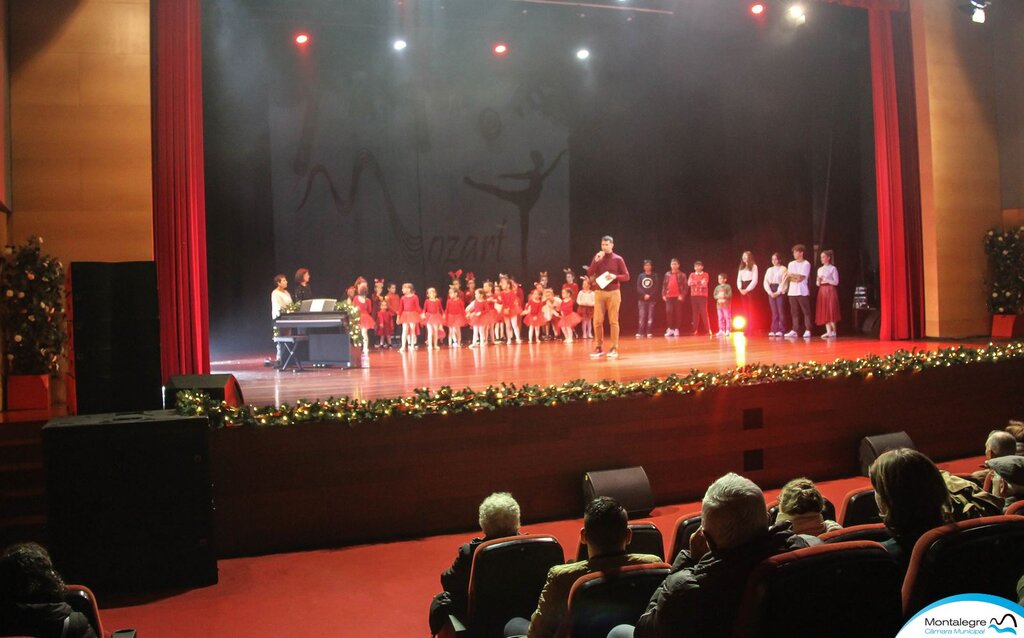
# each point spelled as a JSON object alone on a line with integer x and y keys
{"x": 585, "y": 301}
{"x": 775, "y": 286}
{"x": 797, "y": 273}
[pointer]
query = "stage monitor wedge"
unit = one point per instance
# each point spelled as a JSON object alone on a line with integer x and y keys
{"x": 629, "y": 486}
{"x": 220, "y": 387}
{"x": 131, "y": 500}
{"x": 871, "y": 447}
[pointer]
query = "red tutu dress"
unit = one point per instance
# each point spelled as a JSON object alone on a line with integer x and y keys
{"x": 570, "y": 319}
{"x": 409, "y": 310}
{"x": 510, "y": 306}
{"x": 491, "y": 314}
{"x": 535, "y": 314}
{"x": 432, "y": 309}
{"x": 455, "y": 313}
{"x": 366, "y": 321}
{"x": 385, "y": 323}
{"x": 476, "y": 313}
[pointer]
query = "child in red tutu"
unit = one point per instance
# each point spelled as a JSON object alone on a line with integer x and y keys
{"x": 585, "y": 304}
{"x": 492, "y": 316}
{"x": 476, "y": 314}
{"x": 826, "y": 310}
{"x": 409, "y": 312}
{"x": 385, "y": 325}
{"x": 533, "y": 316}
{"x": 510, "y": 309}
{"x": 366, "y": 320}
{"x": 433, "y": 319}
{"x": 455, "y": 316}
{"x": 569, "y": 318}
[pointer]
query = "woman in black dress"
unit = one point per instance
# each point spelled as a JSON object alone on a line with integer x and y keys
{"x": 302, "y": 290}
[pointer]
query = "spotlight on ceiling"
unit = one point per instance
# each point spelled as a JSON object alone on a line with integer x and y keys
{"x": 399, "y": 45}
{"x": 976, "y": 9}
{"x": 500, "y": 48}
{"x": 757, "y": 9}
{"x": 797, "y": 14}
{"x": 302, "y": 38}
{"x": 582, "y": 54}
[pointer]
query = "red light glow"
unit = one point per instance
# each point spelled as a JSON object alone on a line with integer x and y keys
{"x": 739, "y": 323}
{"x": 500, "y": 48}
{"x": 302, "y": 38}
{"x": 757, "y": 9}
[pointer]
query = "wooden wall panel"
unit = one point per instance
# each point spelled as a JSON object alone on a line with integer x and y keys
{"x": 322, "y": 485}
{"x": 82, "y": 162}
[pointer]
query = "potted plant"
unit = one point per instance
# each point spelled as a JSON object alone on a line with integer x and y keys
{"x": 34, "y": 328}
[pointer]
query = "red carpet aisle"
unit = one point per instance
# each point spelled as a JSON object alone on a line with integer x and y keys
{"x": 372, "y": 590}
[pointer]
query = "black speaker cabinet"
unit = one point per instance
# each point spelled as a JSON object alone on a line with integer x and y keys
{"x": 131, "y": 500}
{"x": 220, "y": 387}
{"x": 871, "y": 447}
{"x": 629, "y": 486}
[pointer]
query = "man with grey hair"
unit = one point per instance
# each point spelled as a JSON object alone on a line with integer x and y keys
{"x": 1000, "y": 443}
{"x": 701, "y": 597}
{"x": 498, "y": 517}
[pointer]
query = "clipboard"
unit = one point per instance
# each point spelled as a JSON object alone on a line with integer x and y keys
{"x": 604, "y": 279}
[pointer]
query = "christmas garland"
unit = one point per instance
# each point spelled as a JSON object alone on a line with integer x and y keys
{"x": 355, "y": 333}
{"x": 446, "y": 401}
{"x": 1005, "y": 250}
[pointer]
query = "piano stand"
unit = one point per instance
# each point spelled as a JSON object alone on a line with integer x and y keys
{"x": 290, "y": 344}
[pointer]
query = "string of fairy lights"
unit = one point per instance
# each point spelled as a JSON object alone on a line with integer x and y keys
{"x": 445, "y": 400}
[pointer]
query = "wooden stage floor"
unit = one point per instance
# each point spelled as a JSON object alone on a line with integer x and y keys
{"x": 391, "y": 373}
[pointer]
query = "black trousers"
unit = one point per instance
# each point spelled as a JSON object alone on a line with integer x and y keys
{"x": 701, "y": 321}
{"x": 798, "y": 305}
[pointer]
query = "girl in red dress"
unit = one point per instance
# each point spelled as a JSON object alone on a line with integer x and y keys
{"x": 385, "y": 325}
{"x": 455, "y": 316}
{"x": 827, "y": 308}
{"x": 409, "y": 312}
{"x": 476, "y": 314}
{"x": 533, "y": 316}
{"x": 492, "y": 317}
{"x": 510, "y": 310}
{"x": 570, "y": 319}
{"x": 470, "y": 293}
{"x": 433, "y": 318}
{"x": 366, "y": 320}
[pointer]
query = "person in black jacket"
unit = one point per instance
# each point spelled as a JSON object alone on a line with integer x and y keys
{"x": 499, "y": 517}
{"x": 32, "y": 597}
{"x": 646, "y": 291}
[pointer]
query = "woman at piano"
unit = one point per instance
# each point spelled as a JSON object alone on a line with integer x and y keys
{"x": 302, "y": 289}
{"x": 279, "y": 300}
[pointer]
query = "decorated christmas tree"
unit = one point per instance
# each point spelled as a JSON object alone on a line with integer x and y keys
{"x": 32, "y": 306}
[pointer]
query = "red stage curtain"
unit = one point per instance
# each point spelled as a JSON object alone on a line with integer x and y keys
{"x": 899, "y": 266}
{"x": 179, "y": 209}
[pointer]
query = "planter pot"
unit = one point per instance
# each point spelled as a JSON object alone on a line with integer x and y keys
{"x": 28, "y": 392}
{"x": 1007, "y": 326}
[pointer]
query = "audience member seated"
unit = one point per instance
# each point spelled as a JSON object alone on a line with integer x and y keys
{"x": 606, "y": 534}
{"x": 911, "y": 497}
{"x": 702, "y": 595}
{"x": 499, "y": 517}
{"x": 1007, "y": 477}
{"x": 1016, "y": 430}
{"x": 802, "y": 504}
{"x": 998, "y": 444}
{"x": 32, "y": 597}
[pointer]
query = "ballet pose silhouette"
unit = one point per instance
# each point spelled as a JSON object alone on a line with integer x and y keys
{"x": 523, "y": 199}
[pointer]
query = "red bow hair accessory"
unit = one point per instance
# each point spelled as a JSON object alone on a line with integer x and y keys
{"x": 470, "y": 276}
{"x": 455, "y": 274}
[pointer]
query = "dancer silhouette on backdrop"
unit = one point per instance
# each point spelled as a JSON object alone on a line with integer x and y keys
{"x": 523, "y": 199}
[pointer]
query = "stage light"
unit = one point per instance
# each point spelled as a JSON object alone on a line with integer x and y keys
{"x": 500, "y": 48}
{"x": 302, "y": 38}
{"x": 583, "y": 54}
{"x": 796, "y": 14}
{"x": 399, "y": 45}
{"x": 757, "y": 9}
{"x": 976, "y": 9}
{"x": 739, "y": 323}
{"x": 978, "y": 16}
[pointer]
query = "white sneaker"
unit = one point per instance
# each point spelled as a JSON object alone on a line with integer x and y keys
{"x": 638, "y": 336}
{"x": 807, "y": 334}
{"x": 791, "y": 334}
{"x": 720, "y": 334}
{"x": 649, "y": 335}
{"x": 675, "y": 332}
{"x": 668, "y": 333}
{"x": 727, "y": 333}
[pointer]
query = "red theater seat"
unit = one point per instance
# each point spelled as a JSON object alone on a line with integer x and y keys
{"x": 602, "y": 600}
{"x": 859, "y": 508}
{"x": 81, "y": 599}
{"x": 837, "y": 590}
{"x": 686, "y": 526}
{"x": 647, "y": 539}
{"x": 1015, "y": 509}
{"x": 869, "y": 532}
{"x": 504, "y": 582}
{"x": 979, "y": 556}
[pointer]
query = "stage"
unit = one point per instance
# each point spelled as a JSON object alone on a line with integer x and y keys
{"x": 393, "y": 374}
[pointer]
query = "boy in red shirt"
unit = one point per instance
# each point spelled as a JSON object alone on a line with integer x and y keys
{"x": 698, "y": 282}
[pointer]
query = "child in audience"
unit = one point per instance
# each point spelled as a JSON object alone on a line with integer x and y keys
{"x": 723, "y": 299}
{"x": 533, "y": 316}
{"x": 585, "y": 301}
{"x": 797, "y": 273}
{"x": 802, "y": 504}
{"x": 433, "y": 319}
{"x": 455, "y": 316}
{"x": 698, "y": 282}
{"x": 409, "y": 317}
{"x": 570, "y": 319}
{"x": 827, "y": 308}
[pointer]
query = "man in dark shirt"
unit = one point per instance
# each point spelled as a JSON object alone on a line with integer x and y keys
{"x": 702, "y": 595}
{"x": 646, "y": 289}
{"x": 608, "y": 270}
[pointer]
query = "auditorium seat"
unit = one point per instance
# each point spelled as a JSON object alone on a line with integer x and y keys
{"x": 847, "y": 589}
{"x": 868, "y": 532}
{"x": 686, "y": 526}
{"x": 978, "y": 556}
{"x": 602, "y": 600}
{"x": 829, "y": 513}
{"x": 1015, "y": 509}
{"x": 505, "y": 582}
{"x": 647, "y": 539}
{"x": 859, "y": 508}
{"x": 81, "y": 599}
